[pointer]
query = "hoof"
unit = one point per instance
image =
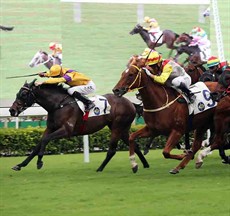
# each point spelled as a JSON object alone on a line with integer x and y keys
{"x": 135, "y": 168}
{"x": 40, "y": 165}
{"x": 16, "y": 168}
{"x": 174, "y": 171}
{"x": 146, "y": 166}
{"x": 99, "y": 170}
{"x": 199, "y": 165}
{"x": 146, "y": 151}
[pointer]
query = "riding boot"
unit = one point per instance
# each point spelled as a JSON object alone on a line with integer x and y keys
{"x": 187, "y": 92}
{"x": 88, "y": 103}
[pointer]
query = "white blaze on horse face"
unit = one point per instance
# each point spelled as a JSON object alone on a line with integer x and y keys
{"x": 36, "y": 60}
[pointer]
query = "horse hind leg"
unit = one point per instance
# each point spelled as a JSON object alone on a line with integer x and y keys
{"x": 111, "y": 151}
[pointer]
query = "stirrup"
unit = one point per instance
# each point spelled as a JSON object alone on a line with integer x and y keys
{"x": 89, "y": 106}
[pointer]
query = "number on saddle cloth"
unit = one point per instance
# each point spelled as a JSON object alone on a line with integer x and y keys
{"x": 204, "y": 100}
{"x": 102, "y": 106}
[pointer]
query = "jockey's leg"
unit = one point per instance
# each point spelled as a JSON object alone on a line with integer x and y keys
{"x": 187, "y": 92}
{"x": 88, "y": 103}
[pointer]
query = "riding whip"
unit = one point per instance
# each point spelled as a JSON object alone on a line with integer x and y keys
{"x": 22, "y": 76}
{"x": 155, "y": 43}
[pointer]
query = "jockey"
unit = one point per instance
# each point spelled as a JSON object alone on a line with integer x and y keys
{"x": 57, "y": 50}
{"x": 80, "y": 85}
{"x": 153, "y": 28}
{"x": 171, "y": 73}
{"x": 216, "y": 67}
{"x": 200, "y": 39}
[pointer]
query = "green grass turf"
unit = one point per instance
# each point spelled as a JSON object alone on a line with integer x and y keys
{"x": 99, "y": 46}
{"x": 67, "y": 186}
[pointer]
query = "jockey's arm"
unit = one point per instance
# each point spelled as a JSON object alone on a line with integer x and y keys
{"x": 55, "y": 80}
{"x": 167, "y": 70}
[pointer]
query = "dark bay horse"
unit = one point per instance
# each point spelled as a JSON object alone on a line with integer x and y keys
{"x": 164, "y": 114}
{"x": 43, "y": 58}
{"x": 65, "y": 119}
{"x": 191, "y": 51}
{"x": 6, "y": 28}
{"x": 168, "y": 37}
{"x": 222, "y": 128}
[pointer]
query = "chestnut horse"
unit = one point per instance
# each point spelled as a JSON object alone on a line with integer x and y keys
{"x": 65, "y": 119}
{"x": 164, "y": 114}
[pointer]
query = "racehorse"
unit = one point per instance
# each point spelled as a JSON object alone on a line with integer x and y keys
{"x": 195, "y": 72}
{"x": 191, "y": 51}
{"x": 168, "y": 37}
{"x": 43, "y": 58}
{"x": 164, "y": 113}
{"x": 5, "y": 28}
{"x": 222, "y": 128}
{"x": 65, "y": 119}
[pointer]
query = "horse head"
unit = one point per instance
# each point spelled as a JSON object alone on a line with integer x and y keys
{"x": 184, "y": 38}
{"x": 137, "y": 29}
{"x": 24, "y": 99}
{"x": 41, "y": 58}
{"x": 131, "y": 78}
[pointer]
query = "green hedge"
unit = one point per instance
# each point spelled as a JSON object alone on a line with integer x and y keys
{"x": 17, "y": 142}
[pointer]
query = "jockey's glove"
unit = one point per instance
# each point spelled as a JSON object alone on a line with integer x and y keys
{"x": 42, "y": 74}
{"x": 147, "y": 72}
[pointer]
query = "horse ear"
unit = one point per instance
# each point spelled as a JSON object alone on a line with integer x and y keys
{"x": 32, "y": 83}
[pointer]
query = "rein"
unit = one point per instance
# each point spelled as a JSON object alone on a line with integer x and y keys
{"x": 40, "y": 60}
{"x": 166, "y": 105}
{"x": 138, "y": 76}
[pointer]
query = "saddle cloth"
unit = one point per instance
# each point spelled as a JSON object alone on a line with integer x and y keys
{"x": 203, "y": 99}
{"x": 102, "y": 106}
{"x": 155, "y": 35}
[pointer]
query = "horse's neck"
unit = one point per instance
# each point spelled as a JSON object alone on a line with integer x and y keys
{"x": 154, "y": 95}
{"x": 50, "y": 99}
{"x": 49, "y": 64}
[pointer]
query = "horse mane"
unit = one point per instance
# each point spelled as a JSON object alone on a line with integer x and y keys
{"x": 57, "y": 88}
{"x": 44, "y": 52}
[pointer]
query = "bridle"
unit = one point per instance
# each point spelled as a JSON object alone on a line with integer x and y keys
{"x": 40, "y": 60}
{"x": 29, "y": 99}
{"x": 138, "y": 77}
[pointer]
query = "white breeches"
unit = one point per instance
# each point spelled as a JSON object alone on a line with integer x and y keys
{"x": 83, "y": 89}
{"x": 186, "y": 79}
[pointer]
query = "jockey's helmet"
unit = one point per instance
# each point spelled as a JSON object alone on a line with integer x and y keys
{"x": 213, "y": 61}
{"x": 55, "y": 70}
{"x": 147, "y": 19}
{"x": 153, "y": 58}
{"x": 52, "y": 45}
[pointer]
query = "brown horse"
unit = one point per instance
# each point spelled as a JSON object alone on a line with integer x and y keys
{"x": 195, "y": 72}
{"x": 193, "y": 52}
{"x": 168, "y": 37}
{"x": 65, "y": 119}
{"x": 222, "y": 125}
{"x": 5, "y": 28}
{"x": 164, "y": 114}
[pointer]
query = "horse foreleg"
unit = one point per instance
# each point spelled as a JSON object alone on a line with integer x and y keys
{"x": 148, "y": 146}
{"x": 143, "y": 132}
{"x": 172, "y": 141}
{"x": 58, "y": 134}
{"x": 32, "y": 155}
{"x": 28, "y": 159}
